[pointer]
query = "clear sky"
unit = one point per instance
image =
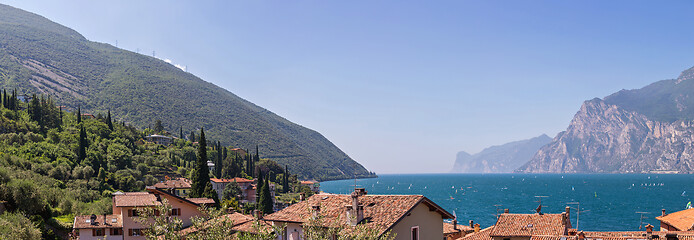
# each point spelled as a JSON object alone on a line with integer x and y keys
{"x": 402, "y": 86}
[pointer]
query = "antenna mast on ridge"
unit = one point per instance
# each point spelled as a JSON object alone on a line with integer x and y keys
{"x": 539, "y": 207}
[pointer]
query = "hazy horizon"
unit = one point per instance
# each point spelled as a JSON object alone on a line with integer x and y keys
{"x": 402, "y": 87}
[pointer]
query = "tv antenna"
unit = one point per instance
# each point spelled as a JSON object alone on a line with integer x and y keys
{"x": 539, "y": 207}
{"x": 497, "y": 210}
{"x": 641, "y": 218}
{"x": 578, "y": 211}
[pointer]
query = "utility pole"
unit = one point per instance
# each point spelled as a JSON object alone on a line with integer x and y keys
{"x": 641, "y": 218}
{"x": 578, "y": 211}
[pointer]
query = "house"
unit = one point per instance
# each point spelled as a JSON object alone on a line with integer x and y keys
{"x": 179, "y": 186}
{"x": 123, "y": 222}
{"x": 248, "y": 188}
{"x": 677, "y": 221}
{"x": 313, "y": 185}
{"x": 88, "y": 116}
{"x": 238, "y": 151}
{"x": 159, "y": 139}
{"x": 525, "y": 226}
{"x": 408, "y": 216}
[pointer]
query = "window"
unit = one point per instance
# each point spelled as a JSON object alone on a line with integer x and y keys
{"x": 116, "y": 231}
{"x": 176, "y": 212}
{"x": 135, "y": 232}
{"x": 97, "y": 232}
{"x": 132, "y": 213}
{"x": 415, "y": 233}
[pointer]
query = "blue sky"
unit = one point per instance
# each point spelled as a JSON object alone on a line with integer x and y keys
{"x": 402, "y": 86}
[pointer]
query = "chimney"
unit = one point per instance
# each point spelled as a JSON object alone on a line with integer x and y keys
{"x": 316, "y": 210}
{"x": 649, "y": 231}
{"x": 506, "y": 210}
{"x": 455, "y": 224}
{"x": 477, "y": 227}
{"x": 663, "y": 212}
{"x": 471, "y": 225}
{"x": 356, "y": 211}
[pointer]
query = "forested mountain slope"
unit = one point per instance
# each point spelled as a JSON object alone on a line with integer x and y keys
{"x": 43, "y": 57}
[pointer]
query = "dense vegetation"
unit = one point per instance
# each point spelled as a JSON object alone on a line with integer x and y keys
{"x": 38, "y": 56}
{"x": 666, "y": 100}
{"x": 56, "y": 164}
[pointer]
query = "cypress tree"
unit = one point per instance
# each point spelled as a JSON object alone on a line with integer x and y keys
{"x": 259, "y": 189}
{"x": 201, "y": 176}
{"x": 79, "y": 115}
{"x": 108, "y": 120}
{"x": 192, "y": 136}
{"x": 285, "y": 179}
{"x": 219, "y": 165}
{"x": 82, "y": 151}
{"x": 266, "y": 200}
{"x": 181, "y": 134}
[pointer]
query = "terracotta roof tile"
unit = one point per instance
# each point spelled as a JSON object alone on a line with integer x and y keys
{"x": 81, "y": 222}
{"x": 135, "y": 199}
{"x": 448, "y": 228}
{"x": 682, "y": 220}
{"x": 529, "y": 224}
{"x": 381, "y": 211}
{"x": 481, "y": 235}
{"x": 549, "y": 238}
{"x": 174, "y": 183}
{"x": 238, "y": 220}
{"x": 201, "y": 200}
{"x": 238, "y": 180}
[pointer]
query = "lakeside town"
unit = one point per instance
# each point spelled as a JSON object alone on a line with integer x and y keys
{"x": 410, "y": 217}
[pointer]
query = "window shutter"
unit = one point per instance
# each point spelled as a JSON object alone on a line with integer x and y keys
{"x": 130, "y": 212}
{"x": 93, "y": 232}
{"x": 130, "y": 232}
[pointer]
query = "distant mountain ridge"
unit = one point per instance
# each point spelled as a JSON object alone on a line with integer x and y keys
{"x": 40, "y": 56}
{"x": 500, "y": 159}
{"x": 632, "y": 131}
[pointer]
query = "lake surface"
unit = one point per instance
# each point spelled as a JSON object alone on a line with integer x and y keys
{"x": 608, "y": 202}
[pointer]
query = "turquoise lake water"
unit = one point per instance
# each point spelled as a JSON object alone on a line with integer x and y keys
{"x": 608, "y": 202}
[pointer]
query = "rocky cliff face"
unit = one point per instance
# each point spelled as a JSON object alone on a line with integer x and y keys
{"x": 606, "y": 138}
{"x": 499, "y": 159}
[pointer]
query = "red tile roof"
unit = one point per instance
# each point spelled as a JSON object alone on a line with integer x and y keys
{"x": 238, "y": 180}
{"x": 682, "y": 220}
{"x": 200, "y": 201}
{"x": 481, "y": 235}
{"x": 526, "y": 225}
{"x": 448, "y": 228}
{"x": 382, "y": 211}
{"x": 135, "y": 199}
{"x": 240, "y": 222}
{"x": 173, "y": 184}
{"x": 81, "y": 222}
{"x": 308, "y": 182}
{"x": 548, "y": 237}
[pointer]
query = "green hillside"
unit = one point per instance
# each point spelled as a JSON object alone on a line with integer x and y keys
{"x": 40, "y": 56}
